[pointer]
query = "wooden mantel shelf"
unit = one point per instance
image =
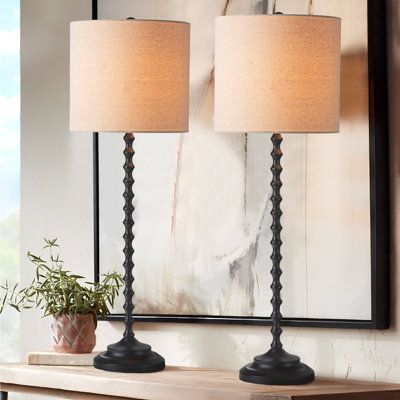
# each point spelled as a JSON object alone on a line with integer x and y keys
{"x": 175, "y": 383}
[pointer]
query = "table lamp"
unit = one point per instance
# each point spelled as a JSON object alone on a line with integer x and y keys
{"x": 129, "y": 76}
{"x": 279, "y": 74}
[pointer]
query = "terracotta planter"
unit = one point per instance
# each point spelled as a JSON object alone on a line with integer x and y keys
{"x": 73, "y": 334}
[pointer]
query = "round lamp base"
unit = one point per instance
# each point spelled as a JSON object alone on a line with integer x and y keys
{"x": 129, "y": 356}
{"x": 277, "y": 368}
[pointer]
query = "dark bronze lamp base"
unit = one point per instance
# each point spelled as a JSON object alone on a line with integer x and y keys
{"x": 276, "y": 367}
{"x": 129, "y": 356}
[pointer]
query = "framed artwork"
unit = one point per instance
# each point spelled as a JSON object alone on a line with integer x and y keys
{"x": 202, "y": 222}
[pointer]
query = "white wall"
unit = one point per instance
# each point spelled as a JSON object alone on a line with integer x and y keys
{"x": 56, "y": 166}
{"x": 57, "y": 202}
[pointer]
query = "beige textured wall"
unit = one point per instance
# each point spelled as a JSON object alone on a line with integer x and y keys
{"x": 57, "y": 201}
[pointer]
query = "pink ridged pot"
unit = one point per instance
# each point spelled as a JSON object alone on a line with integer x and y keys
{"x": 74, "y": 334}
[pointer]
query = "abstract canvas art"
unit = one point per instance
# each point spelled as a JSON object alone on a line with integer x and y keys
{"x": 202, "y": 222}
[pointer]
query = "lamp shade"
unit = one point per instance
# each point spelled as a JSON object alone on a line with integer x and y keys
{"x": 129, "y": 76}
{"x": 277, "y": 73}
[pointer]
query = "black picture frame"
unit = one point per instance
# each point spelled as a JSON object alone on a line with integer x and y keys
{"x": 379, "y": 201}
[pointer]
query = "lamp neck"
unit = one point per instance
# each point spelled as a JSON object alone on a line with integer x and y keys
{"x": 128, "y": 235}
{"x": 276, "y": 241}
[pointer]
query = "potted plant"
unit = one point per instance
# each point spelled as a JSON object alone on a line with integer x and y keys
{"x": 60, "y": 293}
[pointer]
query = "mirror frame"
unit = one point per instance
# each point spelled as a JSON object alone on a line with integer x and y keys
{"x": 379, "y": 200}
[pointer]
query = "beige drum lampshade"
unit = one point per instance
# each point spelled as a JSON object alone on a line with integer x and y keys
{"x": 129, "y": 76}
{"x": 277, "y": 73}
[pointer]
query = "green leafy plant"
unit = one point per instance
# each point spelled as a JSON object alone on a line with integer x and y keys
{"x": 57, "y": 291}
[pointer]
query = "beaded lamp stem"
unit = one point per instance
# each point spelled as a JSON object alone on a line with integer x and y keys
{"x": 128, "y": 235}
{"x": 276, "y": 366}
{"x": 129, "y": 355}
{"x": 276, "y": 241}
